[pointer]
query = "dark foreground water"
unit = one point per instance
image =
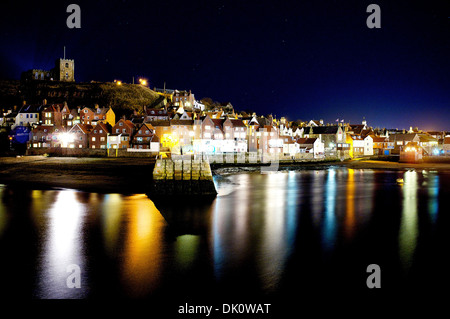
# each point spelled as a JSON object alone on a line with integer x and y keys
{"x": 266, "y": 238}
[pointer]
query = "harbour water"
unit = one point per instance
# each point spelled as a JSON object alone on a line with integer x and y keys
{"x": 265, "y": 237}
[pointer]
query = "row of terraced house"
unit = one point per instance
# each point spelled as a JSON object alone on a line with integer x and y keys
{"x": 205, "y": 132}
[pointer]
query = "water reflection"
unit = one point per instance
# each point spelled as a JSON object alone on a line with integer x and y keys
{"x": 329, "y": 224}
{"x": 317, "y": 196}
{"x": 3, "y": 215}
{"x": 256, "y": 234}
{"x": 63, "y": 246}
{"x": 186, "y": 251}
{"x": 111, "y": 217}
{"x": 408, "y": 227}
{"x": 433, "y": 196}
{"x": 293, "y": 200}
{"x": 350, "y": 205}
{"x": 142, "y": 255}
{"x": 274, "y": 245}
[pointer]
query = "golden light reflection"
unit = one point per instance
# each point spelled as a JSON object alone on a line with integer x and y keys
{"x": 142, "y": 262}
{"x": 350, "y": 198}
{"x": 111, "y": 217}
{"x": 40, "y": 204}
{"x": 409, "y": 226}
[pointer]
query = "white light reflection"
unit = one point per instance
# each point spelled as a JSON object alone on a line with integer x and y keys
{"x": 329, "y": 223}
{"x": 274, "y": 244}
{"x": 63, "y": 246}
{"x": 317, "y": 197}
{"x": 408, "y": 227}
{"x": 292, "y": 202}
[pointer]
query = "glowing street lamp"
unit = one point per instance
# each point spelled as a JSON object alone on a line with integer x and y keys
{"x": 143, "y": 82}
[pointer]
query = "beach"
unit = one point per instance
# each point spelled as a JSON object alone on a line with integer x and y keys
{"x": 134, "y": 175}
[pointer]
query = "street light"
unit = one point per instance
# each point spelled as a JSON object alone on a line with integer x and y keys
{"x": 143, "y": 82}
{"x": 66, "y": 138}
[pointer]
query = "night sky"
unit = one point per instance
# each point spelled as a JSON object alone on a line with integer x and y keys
{"x": 300, "y": 59}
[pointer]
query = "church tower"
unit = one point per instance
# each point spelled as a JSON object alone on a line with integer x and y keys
{"x": 64, "y": 69}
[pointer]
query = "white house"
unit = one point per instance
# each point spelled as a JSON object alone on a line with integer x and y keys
{"x": 361, "y": 146}
{"x": 289, "y": 145}
{"x": 28, "y": 115}
{"x": 311, "y": 145}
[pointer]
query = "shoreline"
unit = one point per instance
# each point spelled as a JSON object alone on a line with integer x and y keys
{"x": 135, "y": 175}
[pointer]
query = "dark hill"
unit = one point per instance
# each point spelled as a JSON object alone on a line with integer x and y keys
{"x": 123, "y": 98}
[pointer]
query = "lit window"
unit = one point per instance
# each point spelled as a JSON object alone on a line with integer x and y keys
{"x": 93, "y": 139}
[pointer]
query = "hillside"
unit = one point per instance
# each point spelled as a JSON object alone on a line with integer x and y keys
{"x": 123, "y": 98}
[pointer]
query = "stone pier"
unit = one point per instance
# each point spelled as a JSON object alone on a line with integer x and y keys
{"x": 182, "y": 177}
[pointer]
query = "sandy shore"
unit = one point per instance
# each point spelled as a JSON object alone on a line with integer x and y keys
{"x": 134, "y": 175}
{"x": 111, "y": 175}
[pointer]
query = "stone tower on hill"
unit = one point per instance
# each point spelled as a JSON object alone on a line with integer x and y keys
{"x": 64, "y": 70}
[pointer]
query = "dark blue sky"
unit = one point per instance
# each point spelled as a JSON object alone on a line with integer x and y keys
{"x": 300, "y": 59}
